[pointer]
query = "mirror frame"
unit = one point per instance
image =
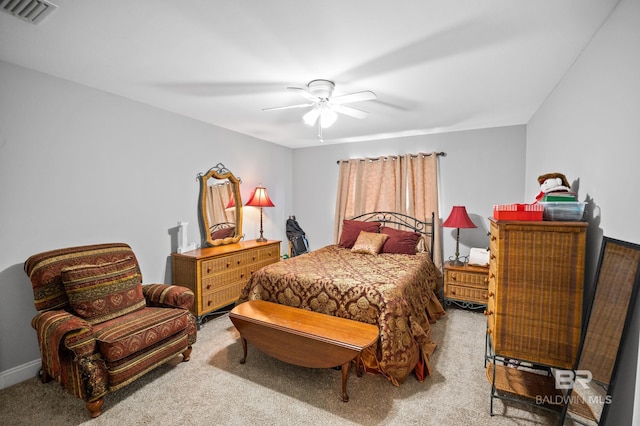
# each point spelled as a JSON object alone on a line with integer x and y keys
{"x": 219, "y": 171}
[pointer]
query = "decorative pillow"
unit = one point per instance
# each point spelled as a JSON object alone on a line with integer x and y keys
{"x": 402, "y": 242}
{"x": 369, "y": 242}
{"x": 101, "y": 292}
{"x": 351, "y": 230}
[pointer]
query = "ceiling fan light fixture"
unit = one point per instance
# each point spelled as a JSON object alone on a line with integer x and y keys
{"x": 311, "y": 117}
{"x": 327, "y": 117}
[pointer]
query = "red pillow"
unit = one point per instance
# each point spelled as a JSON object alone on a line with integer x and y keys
{"x": 351, "y": 229}
{"x": 401, "y": 242}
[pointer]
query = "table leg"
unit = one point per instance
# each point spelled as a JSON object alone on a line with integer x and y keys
{"x": 244, "y": 349}
{"x": 345, "y": 376}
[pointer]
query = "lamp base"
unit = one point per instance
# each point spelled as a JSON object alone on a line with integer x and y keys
{"x": 456, "y": 262}
{"x": 261, "y": 240}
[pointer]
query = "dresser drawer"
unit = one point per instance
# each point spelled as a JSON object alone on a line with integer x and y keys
{"x": 215, "y": 265}
{"x": 225, "y": 278}
{"x": 221, "y": 296}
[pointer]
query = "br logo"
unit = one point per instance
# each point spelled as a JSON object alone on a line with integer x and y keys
{"x": 566, "y": 379}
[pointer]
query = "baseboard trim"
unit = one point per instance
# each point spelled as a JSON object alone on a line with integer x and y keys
{"x": 19, "y": 374}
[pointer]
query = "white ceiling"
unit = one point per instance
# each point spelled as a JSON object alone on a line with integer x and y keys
{"x": 435, "y": 65}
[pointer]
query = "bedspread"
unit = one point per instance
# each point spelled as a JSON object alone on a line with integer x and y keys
{"x": 394, "y": 291}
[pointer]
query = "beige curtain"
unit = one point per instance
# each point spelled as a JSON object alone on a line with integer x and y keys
{"x": 367, "y": 185}
{"x": 421, "y": 174}
{"x": 406, "y": 184}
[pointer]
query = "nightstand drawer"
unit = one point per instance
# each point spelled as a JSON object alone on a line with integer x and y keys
{"x": 471, "y": 294}
{"x": 467, "y": 278}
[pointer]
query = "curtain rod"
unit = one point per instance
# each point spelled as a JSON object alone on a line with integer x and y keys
{"x": 393, "y": 157}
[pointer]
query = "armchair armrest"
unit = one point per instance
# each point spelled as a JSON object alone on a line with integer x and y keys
{"x": 58, "y": 327}
{"x": 169, "y": 296}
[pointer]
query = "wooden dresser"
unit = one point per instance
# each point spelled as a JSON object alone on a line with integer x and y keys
{"x": 217, "y": 274}
{"x": 466, "y": 286}
{"x": 536, "y": 274}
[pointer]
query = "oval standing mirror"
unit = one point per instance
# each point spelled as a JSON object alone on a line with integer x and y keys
{"x": 220, "y": 210}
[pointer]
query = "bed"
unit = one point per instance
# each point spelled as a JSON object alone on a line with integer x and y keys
{"x": 394, "y": 288}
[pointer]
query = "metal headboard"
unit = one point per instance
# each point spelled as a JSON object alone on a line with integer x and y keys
{"x": 409, "y": 222}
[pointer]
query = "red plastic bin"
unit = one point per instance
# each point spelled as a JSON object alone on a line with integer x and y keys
{"x": 518, "y": 211}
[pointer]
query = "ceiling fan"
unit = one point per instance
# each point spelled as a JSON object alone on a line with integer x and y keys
{"x": 325, "y": 107}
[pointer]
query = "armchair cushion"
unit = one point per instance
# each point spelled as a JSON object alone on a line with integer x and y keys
{"x": 134, "y": 332}
{"x": 104, "y": 291}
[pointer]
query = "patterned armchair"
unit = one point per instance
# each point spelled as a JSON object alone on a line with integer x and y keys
{"x": 98, "y": 327}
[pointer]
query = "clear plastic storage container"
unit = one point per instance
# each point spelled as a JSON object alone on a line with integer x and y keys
{"x": 563, "y": 210}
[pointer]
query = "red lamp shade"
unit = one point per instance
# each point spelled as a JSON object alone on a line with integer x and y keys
{"x": 260, "y": 198}
{"x": 458, "y": 218}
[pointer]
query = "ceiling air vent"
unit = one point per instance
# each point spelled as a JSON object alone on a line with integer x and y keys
{"x": 33, "y": 11}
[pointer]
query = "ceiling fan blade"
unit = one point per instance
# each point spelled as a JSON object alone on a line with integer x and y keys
{"x": 289, "y": 107}
{"x": 351, "y": 112}
{"x": 366, "y": 95}
{"x": 304, "y": 93}
{"x": 312, "y": 116}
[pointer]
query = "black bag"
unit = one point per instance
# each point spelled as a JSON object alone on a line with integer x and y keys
{"x": 295, "y": 234}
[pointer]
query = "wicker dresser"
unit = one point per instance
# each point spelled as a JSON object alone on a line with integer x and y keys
{"x": 217, "y": 274}
{"x": 534, "y": 310}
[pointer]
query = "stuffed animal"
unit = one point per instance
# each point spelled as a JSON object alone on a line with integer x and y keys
{"x": 552, "y": 182}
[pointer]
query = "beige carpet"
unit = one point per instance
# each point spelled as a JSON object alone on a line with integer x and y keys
{"x": 213, "y": 388}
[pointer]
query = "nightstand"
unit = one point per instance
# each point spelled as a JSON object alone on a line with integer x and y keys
{"x": 466, "y": 286}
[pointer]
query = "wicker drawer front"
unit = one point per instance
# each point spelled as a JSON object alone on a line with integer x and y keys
{"x": 213, "y": 266}
{"x": 467, "y": 279}
{"x": 222, "y": 296}
{"x": 269, "y": 254}
{"x": 225, "y": 278}
{"x": 490, "y": 312}
{"x": 471, "y": 294}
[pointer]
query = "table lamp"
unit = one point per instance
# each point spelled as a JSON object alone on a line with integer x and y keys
{"x": 260, "y": 198}
{"x": 458, "y": 218}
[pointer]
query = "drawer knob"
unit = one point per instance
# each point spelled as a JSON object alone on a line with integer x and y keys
{"x": 491, "y": 294}
{"x": 488, "y": 313}
{"x": 228, "y": 264}
{"x": 485, "y": 280}
{"x": 208, "y": 286}
{"x": 238, "y": 262}
{"x": 453, "y": 277}
{"x": 492, "y": 275}
{"x": 209, "y": 269}
{"x": 493, "y": 238}
{"x": 492, "y": 256}
{"x": 453, "y": 291}
{"x": 208, "y": 302}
